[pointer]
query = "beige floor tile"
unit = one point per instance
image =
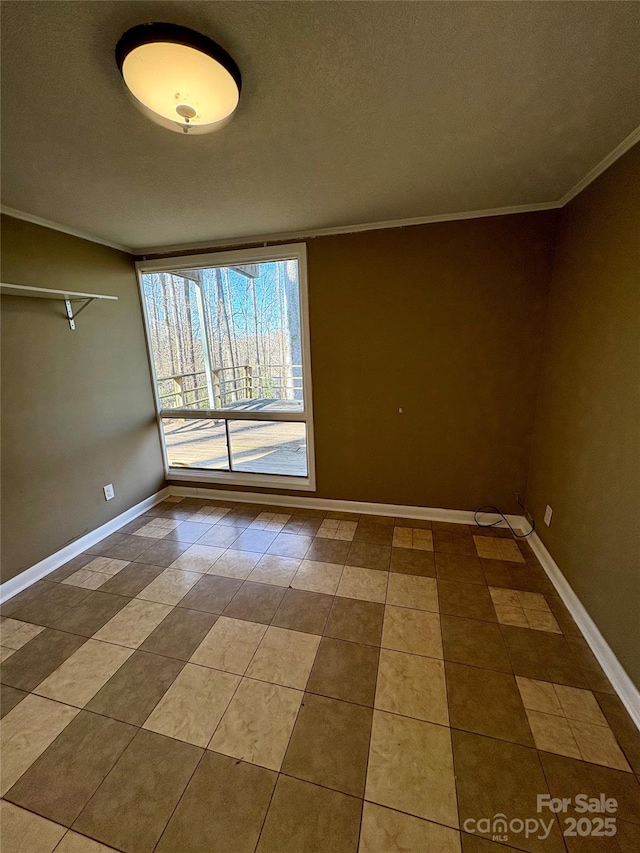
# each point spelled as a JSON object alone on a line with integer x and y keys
{"x": 387, "y": 831}
{"x": 413, "y": 686}
{"x": 278, "y": 571}
{"x": 235, "y": 564}
{"x": 532, "y": 601}
{"x": 132, "y": 625}
{"x": 539, "y": 696}
{"x": 106, "y": 565}
{"x": 346, "y": 531}
{"x": 166, "y": 523}
{"x": 422, "y": 539}
{"x": 87, "y": 579}
{"x": 5, "y": 653}
{"x": 597, "y": 744}
{"x": 508, "y": 550}
{"x": 504, "y": 597}
{"x": 197, "y": 558}
{"x": 318, "y": 577}
{"x": 79, "y": 678}
{"x": 413, "y": 537}
{"x": 403, "y": 537}
{"x": 580, "y": 705}
{"x": 96, "y": 573}
{"x": 343, "y": 532}
{"x": 332, "y": 528}
{"x": 26, "y": 732}
{"x": 14, "y": 634}
{"x": 486, "y": 547}
{"x": 523, "y": 609}
{"x": 203, "y": 517}
{"x": 328, "y": 528}
{"x": 193, "y": 706}
{"x": 257, "y": 725}
{"x": 414, "y": 631}
{"x": 411, "y": 768}
{"x": 412, "y": 591}
{"x": 157, "y": 528}
{"x": 284, "y": 657}
{"x": 552, "y": 734}
{"x": 273, "y": 517}
{"x": 540, "y": 620}
{"x": 511, "y": 616}
{"x": 492, "y": 548}
{"x": 266, "y": 526}
{"x": 24, "y": 832}
{"x": 272, "y": 522}
{"x": 169, "y": 587}
{"x": 75, "y": 843}
{"x": 229, "y": 645}
{"x": 364, "y": 584}
{"x": 281, "y": 517}
{"x": 152, "y": 531}
{"x": 211, "y": 513}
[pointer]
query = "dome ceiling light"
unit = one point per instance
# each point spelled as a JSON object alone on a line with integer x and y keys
{"x": 179, "y": 78}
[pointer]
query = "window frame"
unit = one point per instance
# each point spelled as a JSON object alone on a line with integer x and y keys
{"x": 235, "y": 257}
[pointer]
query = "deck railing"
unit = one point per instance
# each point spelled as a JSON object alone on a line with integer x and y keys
{"x": 230, "y": 385}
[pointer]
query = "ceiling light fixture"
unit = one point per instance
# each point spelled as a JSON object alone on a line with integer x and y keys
{"x": 179, "y": 78}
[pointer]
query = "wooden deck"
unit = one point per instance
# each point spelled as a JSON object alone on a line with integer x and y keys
{"x": 258, "y": 447}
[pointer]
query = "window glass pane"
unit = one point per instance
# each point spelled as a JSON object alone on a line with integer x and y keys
{"x": 269, "y": 447}
{"x": 196, "y": 443}
{"x": 227, "y": 337}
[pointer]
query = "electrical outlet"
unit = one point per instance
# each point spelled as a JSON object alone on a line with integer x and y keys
{"x": 109, "y": 492}
{"x": 548, "y": 514}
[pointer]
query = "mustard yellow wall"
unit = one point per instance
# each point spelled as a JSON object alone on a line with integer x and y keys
{"x": 586, "y": 452}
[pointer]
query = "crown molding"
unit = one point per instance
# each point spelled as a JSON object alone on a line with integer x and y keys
{"x": 286, "y": 236}
{"x": 64, "y": 229}
{"x": 602, "y": 166}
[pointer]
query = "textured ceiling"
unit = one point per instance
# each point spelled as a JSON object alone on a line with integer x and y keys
{"x": 351, "y": 112}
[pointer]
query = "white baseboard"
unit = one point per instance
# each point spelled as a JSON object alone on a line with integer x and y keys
{"x": 40, "y": 570}
{"x": 622, "y": 684}
{"x": 455, "y": 516}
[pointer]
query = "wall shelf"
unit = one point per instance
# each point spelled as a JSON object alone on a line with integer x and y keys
{"x": 66, "y": 296}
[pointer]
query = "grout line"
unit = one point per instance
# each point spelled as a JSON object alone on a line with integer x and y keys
{"x": 627, "y": 755}
{"x": 373, "y": 713}
{"x": 548, "y": 784}
{"x": 453, "y": 755}
{"x": 268, "y": 809}
{"x": 173, "y": 811}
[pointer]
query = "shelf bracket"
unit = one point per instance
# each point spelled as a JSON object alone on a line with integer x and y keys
{"x": 71, "y": 315}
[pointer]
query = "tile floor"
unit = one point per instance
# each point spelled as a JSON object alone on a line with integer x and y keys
{"x": 230, "y": 678}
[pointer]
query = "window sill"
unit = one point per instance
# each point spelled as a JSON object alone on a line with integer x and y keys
{"x": 237, "y": 478}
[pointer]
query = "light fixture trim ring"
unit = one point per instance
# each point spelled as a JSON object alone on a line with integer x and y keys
{"x": 156, "y": 32}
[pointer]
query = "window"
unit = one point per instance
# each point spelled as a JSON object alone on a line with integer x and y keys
{"x": 228, "y": 339}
